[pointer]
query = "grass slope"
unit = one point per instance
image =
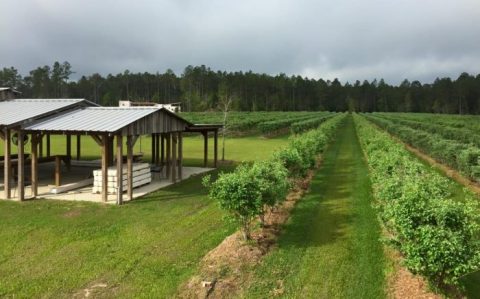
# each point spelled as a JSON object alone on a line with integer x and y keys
{"x": 330, "y": 246}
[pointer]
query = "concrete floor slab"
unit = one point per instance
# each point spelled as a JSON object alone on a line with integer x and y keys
{"x": 79, "y": 173}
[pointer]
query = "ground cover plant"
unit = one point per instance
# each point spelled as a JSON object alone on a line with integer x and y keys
{"x": 437, "y": 236}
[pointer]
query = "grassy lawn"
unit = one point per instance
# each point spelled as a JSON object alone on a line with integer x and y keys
{"x": 330, "y": 247}
{"x": 236, "y": 148}
{"x": 145, "y": 248}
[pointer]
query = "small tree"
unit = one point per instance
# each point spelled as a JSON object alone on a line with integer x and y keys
{"x": 225, "y": 103}
{"x": 273, "y": 181}
{"x": 239, "y": 194}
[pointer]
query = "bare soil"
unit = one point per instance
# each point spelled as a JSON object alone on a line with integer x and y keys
{"x": 227, "y": 268}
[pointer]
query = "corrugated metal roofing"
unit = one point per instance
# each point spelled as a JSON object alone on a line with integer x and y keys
{"x": 94, "y": 119}
{"x": 20, "y": 110}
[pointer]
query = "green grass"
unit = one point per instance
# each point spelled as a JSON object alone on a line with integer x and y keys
{"x": 145, "y": 248}
{"x": 236, "y": 148}
{"x": 330, "y": 247}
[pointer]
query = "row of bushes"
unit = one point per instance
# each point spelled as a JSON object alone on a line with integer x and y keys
{"x": 275, "y": 125}
{"x": 437, "y": 236}
{"x": 305, "y": 125}
{"x": 253, "y": 188}
{"x": 464, "y": 136}
{"x": 460, "y": 156}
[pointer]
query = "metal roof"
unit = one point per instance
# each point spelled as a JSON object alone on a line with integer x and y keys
{"x": 93, "y": 119}
{"x": 23, "y": 110}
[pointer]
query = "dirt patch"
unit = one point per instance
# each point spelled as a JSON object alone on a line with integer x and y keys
{"x": 402, "y": 284}
{"x": 226, "y": 269}
{"x": 72, "y": 213}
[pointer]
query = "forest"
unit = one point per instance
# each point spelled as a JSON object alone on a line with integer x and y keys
{"x": 199, "y": 88}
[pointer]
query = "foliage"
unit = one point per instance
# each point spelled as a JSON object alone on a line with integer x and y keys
{"x": 437, "y": 236}
{"x": 456, "y": 147}
{"x": 248, "y": 191}
{"x": 197, "y": 88}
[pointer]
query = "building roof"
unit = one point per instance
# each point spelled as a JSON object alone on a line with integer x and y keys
{"x": 17, "y": 111}
{"x": 107, "y": 120}
{"x": 10, "y": 88}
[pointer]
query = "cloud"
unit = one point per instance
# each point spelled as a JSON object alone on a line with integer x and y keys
{"x": 346, "y": 39}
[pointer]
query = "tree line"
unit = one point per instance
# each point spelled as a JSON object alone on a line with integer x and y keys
{"x": 199, "y": 88}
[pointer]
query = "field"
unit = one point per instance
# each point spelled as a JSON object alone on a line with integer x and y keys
{"x": 367, "y": 189}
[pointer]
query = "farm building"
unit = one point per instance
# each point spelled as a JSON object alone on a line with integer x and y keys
{"x": 7, "y": 93}
{"x": 114, "y": 129}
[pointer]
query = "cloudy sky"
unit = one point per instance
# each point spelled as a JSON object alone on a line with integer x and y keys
{"x": 345, "y": 39}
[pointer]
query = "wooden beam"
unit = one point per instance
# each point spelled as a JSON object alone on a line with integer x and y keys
{"x": 110, "y": 151}
{"x": 153, "y": 148}
{"x": 174, "y": 157}
{"x": 215, "y": 148}
{"x": 48, "y": 145}
{"x": 169, "y": 148}
{"x": 180, "y": 155}
{"x": 7, "y": 166}
{"x": 157, "y": 149}
{"x": 58, "y": 164}
{"x": 119, "y": 169}
{"x": 130, "y": 144}
{"x": 40, "y": 145}
{"x": 97, "y": 139}
{"x": 162, "y": 149}
{"x": 205, "y": 149}
{"x": 2, "y": 135}
{"x": 105, "y": 142}
{"x": 79, "y": 146}
{"x": 21, "y": 166}
{"x": 34, "y": 167}
{"x": 69, "y": 150}
{"x": 134, "y": 140}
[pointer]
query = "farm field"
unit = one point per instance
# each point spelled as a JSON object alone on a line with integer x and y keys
{"x": 330, "y": 248}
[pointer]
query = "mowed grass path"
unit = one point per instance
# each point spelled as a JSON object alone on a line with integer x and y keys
{"x": 330, "y": 247}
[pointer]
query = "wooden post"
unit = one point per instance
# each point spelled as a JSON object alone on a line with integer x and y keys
{"x": 105, "y": 159}
{"x": 48, "y": 145}
{"x": 110, "y": 150}
{"x": 180, "y": 155}
{"x": 215, "y": 148}
{"x": 7, "y": 167}
{"x": 21, "y": 166}
{"x": 153, "y": 148}
{"x": 162, "y": 149}
{"x": 169, "y": 161}
{"x": 205, "y": 149}
{"x": 40, "y": 145}
{"x": 119, "y": 169}
{"x": 130, "y": 167}
{"x": 174, "y": 157}
{"x": 69, "y": 150}
{"x": 34, "y": 168}
{"x": 58, "y": 164}
{"x": 79, "y": 147}
{"x": 157, "y": 149}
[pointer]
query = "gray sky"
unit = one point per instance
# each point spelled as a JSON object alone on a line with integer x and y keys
{"x": 345, "y": 39}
